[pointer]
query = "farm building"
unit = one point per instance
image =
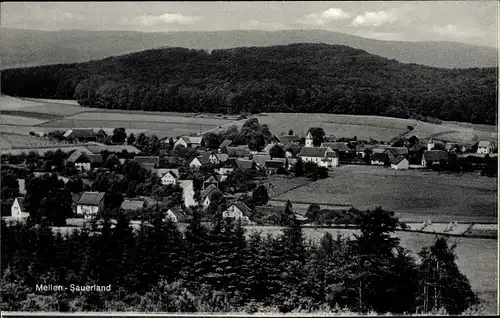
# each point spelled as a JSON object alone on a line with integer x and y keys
{"x": 338, "y": 147}
{"x": 214, "y": 180}
{"x": 431, "y": 157}
{"x": 485, "y": 147}
{"x": 175, "y": 214}
{"x": 90, "y": 204}
{"x": 394, "y": 152}
{"x": 97, "y": 148}
{"x": 132, "y": 205}
{"x": 246, "y": 164}
{"x": 227, "y": 167}
{"x": 400, "y": 163}
{"x": 377, "y": 159}
{"x": 207, "y": 195}
{"x": 238, "y": 152}
{"x": 286, "y": 139}
{"x": 275, "y": 165}
{"x": 189, "y": 141}
{"x": 80, "y": 135}
{"x": 148, "y": 162}
{"x": 218, "y": 158}
{"x": 84, "y": 162}
{"x": 238, "y": 211}
{"x": 18, "y": 210}
{"x": 168, "y": 176}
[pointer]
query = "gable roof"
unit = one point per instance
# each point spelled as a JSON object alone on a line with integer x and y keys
{"x": 225, "y": 143}
{"x": 222, "y": 157}
{"x": 484, "y": 144}
{"x": 336, "y": 146}
{"x": 260, "y": 159}
{"x": 238, "y": 152}
{"x": 98, "y": 148}
{"x": 209, "y": 191}
{"x": 162, "y": 172}
{"x": 313, "y": 152}
{"x": 243, "y": 208}
{"x": 91, "y": 198}
{"x": 77, "y": 155}
{"x": 155, "y": 160}
{"x": 331, "y": 154}
{"x": 397, "y": 150}
{"x": 287, "y": 139}
{"x": 132, "y": 205}
{"x": 378, "y": 156}
{"x": 79, "y": 133}
{"x": 435, "y": 155}
{"x": 20, "y": 200}
{"x": 397, "y": 160}
{"x": 309, "y": 136}
{"x": 275, "y": 163}
{"x": 191, "y": 139}
{"x": 245, "y": 164}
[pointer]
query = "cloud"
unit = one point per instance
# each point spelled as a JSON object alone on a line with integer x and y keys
{"x": 455, "y": 31}
{"x": 332, "y": 14}
{"x": 376, "y": 18}
{"x": 167, "y": 18}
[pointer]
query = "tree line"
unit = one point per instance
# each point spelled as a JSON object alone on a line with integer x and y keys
{"x": 293, "y": 78}
{"x": 221, "y": 268}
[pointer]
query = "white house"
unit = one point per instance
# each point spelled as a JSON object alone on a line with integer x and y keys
{"x": 18, "y": 210}
{"x": 168, "y": 176}
{"x": 195, "y": 163}
{"x": 400, "y": 163}
{"x": 174, "y": 214}
{"x": 207, "y": 195}
{"x": 187, "y": 192}
{"x": 189, "y": 141}
{"x": 238, "y": 210}
{"x": 90, "y": 204}
{"x": 485, "y": 147}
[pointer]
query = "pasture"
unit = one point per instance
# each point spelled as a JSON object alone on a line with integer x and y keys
{"x": 376, "y": 127}
{"x": 477, "y": 258}
{"x": 413, "y": 195}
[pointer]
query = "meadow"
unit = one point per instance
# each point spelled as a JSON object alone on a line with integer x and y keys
{"x": 412, "y": 195}
{"x": 477, "y": 258}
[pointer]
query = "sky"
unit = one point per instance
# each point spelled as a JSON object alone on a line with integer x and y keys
{"x": 472, "y": 22}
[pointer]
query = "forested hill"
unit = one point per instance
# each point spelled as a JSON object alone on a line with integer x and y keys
{"x": 292, "y": 78}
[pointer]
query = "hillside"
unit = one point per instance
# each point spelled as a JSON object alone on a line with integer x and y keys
{"x": 310, "y": 78}
{"x": 21, "y": 48}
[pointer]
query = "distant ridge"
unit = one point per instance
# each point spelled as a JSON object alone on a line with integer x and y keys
{"x": 22, "y": 48}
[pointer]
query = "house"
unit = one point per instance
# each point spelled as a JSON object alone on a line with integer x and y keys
{"x": 246, "y": 164}
{"x": 172, "y": 162}
{"x": 269, "y": 210}
{"x": 432, "y": 157}
{"x": 90, "y": 204}
{"x": 84, "y": 162}
{"x": 196, "y": 162}
{"x": 215, "y": 180}
{"x": 148, "y": 162}
{"x": 287, "y": 139}
{"x": 189, "y": 141}
{"x": 377, "y": 159}
{"x": 275, "y": 165}
{"x": 227, "y": 167}
{"x": 238, "y": 211}
{"x": 238, "y": 152}
{"x": 187, "y": 192}
{"x": 208, "y": 194}
{"x": 430, "y": 144}
{"x": 175, "y": 215}
{"x": 80, "y": 135}
{"x": 18, "y": 210}
{"x": 132, "y": 205}
{"x": 317, "y": 154}
{"x": 485, "y": 147}
{"x": 400, "y": 163}
{"x": 394, "y": 152}
{"x": 260, "y": 159}
{"x": 362, "y": 148}
{"x": 224, "y": 144}
{"x": 218, "y": 158}
{"x": 97, "y": 148}
{"x": 168, "y": 176}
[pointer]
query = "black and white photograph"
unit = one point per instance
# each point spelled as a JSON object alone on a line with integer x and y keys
{"x": 334, "y": 158}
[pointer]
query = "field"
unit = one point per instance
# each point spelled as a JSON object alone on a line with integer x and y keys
{"x": 412, "y": 195}
{"x": 277, "y": 184}
{"x": 477, "y": 258}
{"x": 20, "y": 120}
{"x": 376, "y": 127}
{"x": 13, "y": 140}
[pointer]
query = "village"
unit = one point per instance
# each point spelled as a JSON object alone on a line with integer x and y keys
{"x": 140, "y": 176}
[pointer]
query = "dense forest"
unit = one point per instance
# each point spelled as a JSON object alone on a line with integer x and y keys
{"x": 218, "y": 268}
{"x": 293, "y": 78}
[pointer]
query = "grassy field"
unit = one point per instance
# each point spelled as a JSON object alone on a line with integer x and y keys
{"x": 20, "y": 120}
{"x": 378, "y": 128}
{"x": 477, "y": 258}
{"x": 412, "y": 195}
{"x": 14, "y": 140}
